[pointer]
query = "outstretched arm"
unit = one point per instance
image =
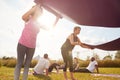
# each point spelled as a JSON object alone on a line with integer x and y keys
{"x": 84, "y": 45}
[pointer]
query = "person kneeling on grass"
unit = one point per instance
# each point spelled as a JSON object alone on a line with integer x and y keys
{"x": 43, "y": 64}
{"x": 91, "y": 67}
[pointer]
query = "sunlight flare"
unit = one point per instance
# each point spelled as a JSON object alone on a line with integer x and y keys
{"x": 47, "y": 19}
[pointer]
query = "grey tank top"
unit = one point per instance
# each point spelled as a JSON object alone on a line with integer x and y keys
{"x": 67, "y": 45}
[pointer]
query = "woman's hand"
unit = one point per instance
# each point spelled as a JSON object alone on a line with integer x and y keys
{"x": 27, "y": 15}
{"x": 86, "y": 46}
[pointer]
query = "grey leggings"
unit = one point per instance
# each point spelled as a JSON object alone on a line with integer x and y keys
{"x": 68, "y": 59}
{"x": 24, "y": 55}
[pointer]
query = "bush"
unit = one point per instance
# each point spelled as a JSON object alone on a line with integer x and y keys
{"x": 33, "y": 63}
{"x": 4, "y": 62}
{"x": 109, "y": 63}
{"x": 60, "y": 62}
{"x": 102, "y": 63}
{"x": 84, "y": 63}
{"x": 11, "y": 63}
{"x": 0, "y": 62}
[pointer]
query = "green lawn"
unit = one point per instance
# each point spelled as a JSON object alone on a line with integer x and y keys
{"x": 7, "y": 74}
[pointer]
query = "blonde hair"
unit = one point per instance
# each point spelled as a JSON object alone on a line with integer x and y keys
{"x": 77, "y": 27}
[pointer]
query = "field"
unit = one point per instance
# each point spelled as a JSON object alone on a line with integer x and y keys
{"x": 7, "y": 74}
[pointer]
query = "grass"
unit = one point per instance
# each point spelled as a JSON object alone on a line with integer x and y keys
{"x": 7, "y": 74}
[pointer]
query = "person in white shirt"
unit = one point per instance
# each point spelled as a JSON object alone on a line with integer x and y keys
{"x": 43, "y": 64}
{"x": 91, "y": 67}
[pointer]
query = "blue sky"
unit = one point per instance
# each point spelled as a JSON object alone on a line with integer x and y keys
{"x": 49, "y": 41}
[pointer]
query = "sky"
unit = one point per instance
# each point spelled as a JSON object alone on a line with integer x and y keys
{"x": 48, "y": 41}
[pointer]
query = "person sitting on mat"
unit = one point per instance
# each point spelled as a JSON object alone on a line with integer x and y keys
{"x": 91, "y": 67}
{"x": 43, "y": 64}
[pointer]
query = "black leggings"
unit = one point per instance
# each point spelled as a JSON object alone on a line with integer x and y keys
{"x": 54, "y": 65}
{"x": 82, "y": 70}
{"x": 68, "y": 59}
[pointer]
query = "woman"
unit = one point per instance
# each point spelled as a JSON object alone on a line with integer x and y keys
{"x": 67, "y": 48}
{"x": 27, "y": 42}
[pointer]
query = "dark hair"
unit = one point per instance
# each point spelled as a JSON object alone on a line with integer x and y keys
{"x": 92, "y": 58}
{"x": 46, "y": 55}
{"x": 77, "y": 27}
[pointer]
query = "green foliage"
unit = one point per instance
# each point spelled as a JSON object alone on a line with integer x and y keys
{"x": 117, "y": 55}
{"x": 33, "y": 63}
{"x": 9, "y": 63}
{"x": 102, "y": 63}
{"x": 109, "y": 63}
{"x": 108, "y": 57}
{"x": 84, "y": 63}
{"x": 0, "y": 62}
{"x": 7, "y": 58}
{"x": 60, "y": 62}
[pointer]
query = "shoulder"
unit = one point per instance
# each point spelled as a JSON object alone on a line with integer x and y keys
{"x": 71, "y": 35}
{"x": 95, "y": 62}
{"x": 29, "y": 21}
{"x": 47, "y": 61}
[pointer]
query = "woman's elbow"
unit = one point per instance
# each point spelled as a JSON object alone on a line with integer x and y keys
{"x": 24, "y": 19}
{"x": 73, "y": 43}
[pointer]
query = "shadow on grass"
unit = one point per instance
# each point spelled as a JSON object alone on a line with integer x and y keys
{"x": 43, "y": 77}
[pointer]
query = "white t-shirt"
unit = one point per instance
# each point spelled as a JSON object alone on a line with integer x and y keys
{"x": 91, "y": 66}
{"x": 41, "y": 65}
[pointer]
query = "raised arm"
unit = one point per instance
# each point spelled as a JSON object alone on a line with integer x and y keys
{"x": 57, "y": 19}
{"x": 29, "y": 13}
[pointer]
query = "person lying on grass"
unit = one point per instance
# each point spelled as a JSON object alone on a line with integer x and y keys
{"x": 91, "y": 67}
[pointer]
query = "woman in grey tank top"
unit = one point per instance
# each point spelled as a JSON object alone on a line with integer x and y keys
{"x": 66, "y": 51}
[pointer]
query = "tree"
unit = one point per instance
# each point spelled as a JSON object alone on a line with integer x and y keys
{"x": 108, "y": 57}
{"x": 88, "y": 58}
{"x": 7, "y": 58}
{"x": 96, "y": 56}
{"x": 117, "y": 55}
